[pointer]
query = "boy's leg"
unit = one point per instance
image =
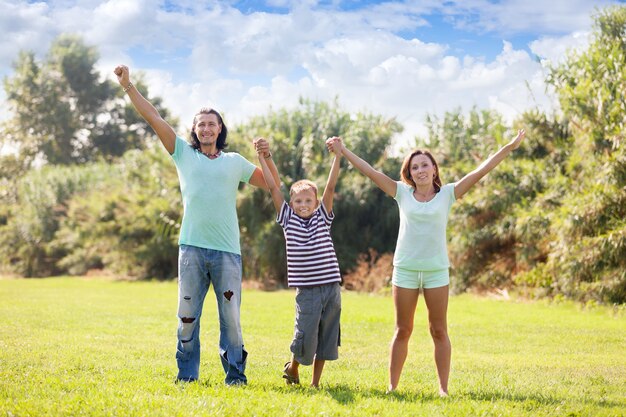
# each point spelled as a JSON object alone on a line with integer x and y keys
{"x": 318, "y": 367}
{"x": 291, "y": 369}
{"x": 308, "y": 313}
{"x": 329, "y": 330}
{"x": 225, "y": 274}
{"x": 192, "y": 288}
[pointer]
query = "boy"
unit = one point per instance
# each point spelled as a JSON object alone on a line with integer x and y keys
{"x": 312, "y": 268}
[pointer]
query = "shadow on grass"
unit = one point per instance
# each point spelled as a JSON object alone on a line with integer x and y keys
{"x": 537, "y": 398}
{"x": 347, "y": 394}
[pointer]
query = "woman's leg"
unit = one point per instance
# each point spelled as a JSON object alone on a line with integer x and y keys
{"x": 437, "y": 304}
{"x": 405, "y": 301}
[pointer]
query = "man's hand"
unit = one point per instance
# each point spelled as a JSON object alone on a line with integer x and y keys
{"x": 262, "y": 147}
{"x": 123, "y": 75}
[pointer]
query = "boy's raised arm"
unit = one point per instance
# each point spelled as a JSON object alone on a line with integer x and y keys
{"x": 262, "y": 146}
{"x": 271, "y": 178}
{"x": 333, "y": 176}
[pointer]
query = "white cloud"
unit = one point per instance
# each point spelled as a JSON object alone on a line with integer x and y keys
{"x": 24, "y": 26}
{"x": 535, "y": 16}
{"x": 203, "y": 53}
{"x": 555, "y": 49}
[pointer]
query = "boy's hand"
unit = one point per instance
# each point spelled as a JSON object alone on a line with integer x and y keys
{"x": 335, "y": 144}
{"x": 262, "y": 147}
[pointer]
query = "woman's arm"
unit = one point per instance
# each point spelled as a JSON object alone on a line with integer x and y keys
{"x": 383, "y": 182}
{"x": 333, "y": 176}
{"x": 483, "y": 169}
{"x": 163, "y": 130}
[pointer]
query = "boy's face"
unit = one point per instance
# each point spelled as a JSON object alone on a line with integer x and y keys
{"x": 304, "y": 203}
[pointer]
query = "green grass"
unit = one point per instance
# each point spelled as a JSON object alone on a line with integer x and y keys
{"x": 72, "y": 346}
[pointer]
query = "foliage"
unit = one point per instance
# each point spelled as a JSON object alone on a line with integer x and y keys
{"x": 122, "y": 217}
{"x": 588, "y": 252}
{"x": 62, "y": 113}
{"x": 372, "y": 273}
{"x": 103, "y": 348}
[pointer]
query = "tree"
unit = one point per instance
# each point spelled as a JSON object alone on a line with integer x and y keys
{"x": 122, "y": 217}
{"x": 63, "y": 114}
{"x": 588, "y": 259}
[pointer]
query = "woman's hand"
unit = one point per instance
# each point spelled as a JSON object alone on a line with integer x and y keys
{"x": 515, "y": 143}
{"x": 335, "y": 144}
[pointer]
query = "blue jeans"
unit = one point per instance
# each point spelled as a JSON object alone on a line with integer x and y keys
{"x": 197, "y": 269}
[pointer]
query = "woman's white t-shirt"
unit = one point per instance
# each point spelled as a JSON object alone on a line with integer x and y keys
{"x": 422, "y": 243}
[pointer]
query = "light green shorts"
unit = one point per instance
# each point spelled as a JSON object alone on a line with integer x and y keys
{"x": 405, "y": 278}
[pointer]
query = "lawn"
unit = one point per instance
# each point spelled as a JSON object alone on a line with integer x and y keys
{"x": 71, "y": 346}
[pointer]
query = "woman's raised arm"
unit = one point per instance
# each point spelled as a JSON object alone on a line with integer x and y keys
{"x": 490, "y": 163}
{"x": 383, "y": 182}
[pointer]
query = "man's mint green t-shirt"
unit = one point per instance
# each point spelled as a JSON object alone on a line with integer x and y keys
{"x": 209, "y": 191}
{"x": 422, "y": 244}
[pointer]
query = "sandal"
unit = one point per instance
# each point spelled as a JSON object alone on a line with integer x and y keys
{"x": 289, "y": 378}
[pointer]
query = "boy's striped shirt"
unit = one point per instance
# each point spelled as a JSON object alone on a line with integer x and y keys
{"x": 311, "y": 258}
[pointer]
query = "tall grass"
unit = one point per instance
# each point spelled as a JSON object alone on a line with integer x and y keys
{"x": 94, "y": 347}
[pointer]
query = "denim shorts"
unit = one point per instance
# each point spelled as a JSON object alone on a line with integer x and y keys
{"x": 406, "y": 278}
{"x": 317, "y": 334}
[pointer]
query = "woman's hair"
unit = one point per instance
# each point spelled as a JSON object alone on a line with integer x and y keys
{"x": 221, "y": 139}
{"x": 303, "y": 185}
{"x": 405, "y": 172}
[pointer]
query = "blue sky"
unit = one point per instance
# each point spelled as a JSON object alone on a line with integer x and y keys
{"x": 403, "y": 59}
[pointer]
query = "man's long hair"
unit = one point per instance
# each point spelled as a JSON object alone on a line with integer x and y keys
{"x": 221, "y": 139}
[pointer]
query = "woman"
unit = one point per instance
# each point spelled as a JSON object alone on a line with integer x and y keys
{"x": 209, "y": 237}
{"x": 421, "y": 257}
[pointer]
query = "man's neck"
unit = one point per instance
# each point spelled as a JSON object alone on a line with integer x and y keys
{"x": 209, "y": 150}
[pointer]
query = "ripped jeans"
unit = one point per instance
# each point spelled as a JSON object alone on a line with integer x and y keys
{"x": 198, "y": 268}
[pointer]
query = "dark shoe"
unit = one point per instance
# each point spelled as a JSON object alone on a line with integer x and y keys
{"x": 289, "y": 378}
{"x": 236, "y": 383}
{"x": 180, "y": 380}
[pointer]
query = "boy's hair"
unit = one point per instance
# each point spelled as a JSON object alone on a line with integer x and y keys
{"x": 303, "y": 185}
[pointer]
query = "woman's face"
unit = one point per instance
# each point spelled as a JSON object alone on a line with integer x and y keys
{"x": 422, "y": 170}
{"x": 207, "y": 128}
